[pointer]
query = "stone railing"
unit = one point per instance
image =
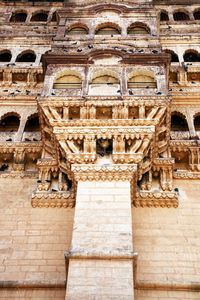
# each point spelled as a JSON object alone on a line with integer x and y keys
{"x": 179, "y": 135}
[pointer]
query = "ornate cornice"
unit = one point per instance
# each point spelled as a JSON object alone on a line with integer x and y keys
{"x": 156, "y": 199}
{"x": 103, "y": 123}
{"x": 106, "y": 172}
{"x": 19, "y": 174}
{"x": 56, "y": 199}
{"x": 9, "y": 147}
{"x": 186, "y": 175}
{"x": 105, "y": 132}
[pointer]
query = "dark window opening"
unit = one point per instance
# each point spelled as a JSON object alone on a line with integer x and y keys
{"x": 18, "y": 17}
{"x": 191, "y": 57}
{"x": 164, "y": 17}
{"x": 174, "y": 56}
{"x": 197, "y": 15}
{"x": 178, "y": 123}
{"x": 32, "y": 125}
{"x": 181, "y": 16}
{"x": 26, "y": 57}
{"x": 197, "y": 123}
{"x": 9, "y": 123}
{"x": 40, "y": 17}
{"x": 5, "y": 56}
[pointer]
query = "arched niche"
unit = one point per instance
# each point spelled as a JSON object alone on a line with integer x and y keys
{"x": 26, "y": 56}
{"x": 164, "y": 16}
{"x": 138, "y": 28}
{"x": 77, "y": 29}
{"x": 191, "y": 56}
{"x": 178, "y": 122}
{"x": 141, "y": 79}
{"x": 181, "y": 16}
{"x": 32, "y": 124}
{"x": 10, "y": 122}
{"x": 39, "y": 17}
{"x": 18, "y": 17}
{"x": 5, "y": 56}
{"x": 197, "y": 14}
{"x": 174, "y": 56}
{"x": 68, "y": 79}
{"x": 108, "y": 29}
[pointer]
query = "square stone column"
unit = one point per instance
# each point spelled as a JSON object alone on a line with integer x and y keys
{"x": 101, "y": 255}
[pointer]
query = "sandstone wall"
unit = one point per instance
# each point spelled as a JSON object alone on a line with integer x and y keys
{"x": 167, "y": 242}
{"x": 33, "y": 242}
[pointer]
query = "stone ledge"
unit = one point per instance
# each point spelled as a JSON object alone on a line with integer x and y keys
{"x": 156, "y": 199}
{"x": 101, "y": 255}
{"x": 186, "y": 175}
{"x": 53, "y": 200}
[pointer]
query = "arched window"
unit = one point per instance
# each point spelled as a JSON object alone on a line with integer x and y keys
{"x": 18, "y": 17}
{"x": 108, "y": 29}
{"x": 191, "y": 56}
{"x": 5, "y": 56}
{"x": 164, "y": 16}
{"x": 32, "y": 124}
{"x": 197, "y": 123}
{"x": 10, "y": 123}
{"x": 178, "y": 122}
{"x": 174, "y": 56}
{"x": 197, "y": 15}
{"x": 104, "y": 82}
{"x": 78, "y": 29}
{"x": 68, "y": 80}
{"x": 181, "y": 16}
{"x": 141, "y": 79}
{"x": 138, "y": 28}
{"x": 26, "y": 56}
{"x": 39, "y": 17}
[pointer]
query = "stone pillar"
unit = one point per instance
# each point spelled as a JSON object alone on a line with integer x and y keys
{"x": 100, "y": 262}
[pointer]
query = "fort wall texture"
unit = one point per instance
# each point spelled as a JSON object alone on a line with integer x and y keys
{"x": 33, "y": 242}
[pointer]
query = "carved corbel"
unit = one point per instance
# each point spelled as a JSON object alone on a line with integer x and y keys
{"x": 19, "y": 160}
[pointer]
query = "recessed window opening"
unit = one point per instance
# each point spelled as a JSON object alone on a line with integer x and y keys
{"x": 181, "y": 16}
{"x": 197, "y": 15}
{"x": 5, "y": 56}
{"x": 178, "y": 123}
{"x": 174, "y": 56}
{"x": 197, "y": 123}
{"x": 9, "y": 123}
{"x": 26, "y": 57}
{"x": 191, "y": 56}
{"x": 32, "y": 124}
{"x": 164, "y": 17}
{"x": 18, "y": 17}
{"x": 39, "y": 17}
